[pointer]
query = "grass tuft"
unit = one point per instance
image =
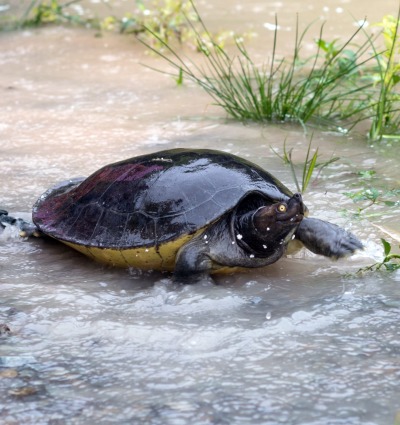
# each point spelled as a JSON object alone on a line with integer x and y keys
{"x": 288, "y": 90}
{"x": 337, "y": 86}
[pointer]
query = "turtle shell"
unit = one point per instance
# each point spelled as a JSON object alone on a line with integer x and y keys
{"x": 153, "y": 199}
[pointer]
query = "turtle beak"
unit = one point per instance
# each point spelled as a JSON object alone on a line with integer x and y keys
{"x": 296, "y": 202}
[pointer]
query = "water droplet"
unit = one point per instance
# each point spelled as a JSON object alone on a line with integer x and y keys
{"x": 265, "y": 246}
{"x": 251, "y": 255}
{"x": 205, "y": 237}
{"x": 268, "y": 315}
{"x": 268, "y": 229}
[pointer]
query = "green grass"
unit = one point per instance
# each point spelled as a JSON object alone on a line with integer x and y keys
{"x": 386, "y": 119}
{"x": 288, "y": 90}
{"x": 340, "y": 86}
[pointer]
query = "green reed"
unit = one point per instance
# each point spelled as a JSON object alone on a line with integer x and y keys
{"x": 323, "y": 86}
{"x": 386, "y": 117}
{"x": 338, "y": 86}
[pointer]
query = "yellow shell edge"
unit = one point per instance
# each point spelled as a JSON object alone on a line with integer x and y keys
{"x": 152, "y": 258}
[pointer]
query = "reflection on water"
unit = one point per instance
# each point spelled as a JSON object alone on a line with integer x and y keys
{"x": 303, "y": 341}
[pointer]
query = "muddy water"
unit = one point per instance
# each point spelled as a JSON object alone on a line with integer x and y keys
{"x": 305, "y": 341}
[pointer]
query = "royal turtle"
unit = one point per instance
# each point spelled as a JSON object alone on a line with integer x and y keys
{"x": 193, "y": 212}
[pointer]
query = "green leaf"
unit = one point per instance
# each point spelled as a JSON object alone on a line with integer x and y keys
{"x": 366, "y": 174}
{"x": 179, "y": 80}
{"x": 392, "y": 266}
{"x": 322, "y": 44}
{"x": 395, "y": 79}
{"x": 372, "y": 194}
{"x": 307, "y": 177}
{"x": 386, "y": 246}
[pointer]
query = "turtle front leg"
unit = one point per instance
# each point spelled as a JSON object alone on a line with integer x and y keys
{"x": 324, "y": 238}
{"x": 26, "y": 228}
{"x": 193, "y": 262}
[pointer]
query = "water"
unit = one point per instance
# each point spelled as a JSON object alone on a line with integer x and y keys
{"x": 305, "y": 341}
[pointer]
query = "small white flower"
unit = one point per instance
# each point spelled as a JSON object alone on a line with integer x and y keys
{"x": 239, "y": 236}
{"x": 251, "y": 255}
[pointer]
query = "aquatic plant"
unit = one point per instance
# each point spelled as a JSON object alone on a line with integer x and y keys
{"x": 309, "y": 165}
{"x": 386, "y": 119}
{"x": 371, "y": 196}
{"x": 278, "y": 93}
{"x": 338, "y": 86}
{"x": 42, "y": 12}
{"x": 287, "y": 90}
{"x": 390, "y": 261}
{"x": 166, "y": 18}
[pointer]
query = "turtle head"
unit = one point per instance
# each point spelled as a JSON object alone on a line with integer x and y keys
{"x": 279, "y": 216}
{"x": 272, "y": 225}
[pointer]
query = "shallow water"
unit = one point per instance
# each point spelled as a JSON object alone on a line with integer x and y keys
{"x": 305, "y": 341}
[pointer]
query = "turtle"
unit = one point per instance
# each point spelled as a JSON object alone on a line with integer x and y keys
{"x": 194, "y": 212}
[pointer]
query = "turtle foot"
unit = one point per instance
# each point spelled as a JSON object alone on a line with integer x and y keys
{"x": 26, "y": 228}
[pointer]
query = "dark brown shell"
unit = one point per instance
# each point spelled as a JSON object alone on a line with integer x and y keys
{"x": 151, "y": 199}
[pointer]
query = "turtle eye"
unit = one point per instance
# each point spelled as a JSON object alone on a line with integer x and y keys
{"x": 282, "y": 208}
